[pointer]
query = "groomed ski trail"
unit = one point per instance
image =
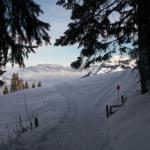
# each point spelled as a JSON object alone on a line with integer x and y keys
{"x": 81, "y": 127}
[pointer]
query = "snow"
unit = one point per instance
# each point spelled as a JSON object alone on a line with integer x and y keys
{"x": 72, "y": 114}
{"x": 48, "y": 74}
{"x": 130, "y": 126}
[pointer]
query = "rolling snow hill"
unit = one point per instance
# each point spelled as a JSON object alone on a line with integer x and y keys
{"x": 72, "y": 115}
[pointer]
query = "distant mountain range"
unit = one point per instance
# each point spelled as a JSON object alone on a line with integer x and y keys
{"x": 47, "y": 68}
{"x": 115, "y": 64}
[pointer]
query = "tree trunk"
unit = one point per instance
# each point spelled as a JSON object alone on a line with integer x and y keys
{"x": 144, "y": 43}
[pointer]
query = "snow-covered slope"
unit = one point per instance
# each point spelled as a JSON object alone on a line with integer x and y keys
{"x": 72, "y": 115}
{"x": 129, "y": 127}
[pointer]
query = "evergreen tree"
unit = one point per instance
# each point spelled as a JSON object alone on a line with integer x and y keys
{"x": 104, "y": 27}
{"x": 20, "y": 84}
{"x": 33, "y": 85}
{"x": 14, "y": 83}
{"x": 23, "y": 86}
{"x": 6, "y": 90}
{"x": 26, "y": 85}
{"x": 20, "y": 27}
{"x": 39, "y": 84}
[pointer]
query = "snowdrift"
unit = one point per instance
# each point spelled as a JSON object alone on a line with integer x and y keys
{"x": 72, "y": 114}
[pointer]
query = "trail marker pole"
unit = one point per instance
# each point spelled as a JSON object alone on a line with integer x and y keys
{"x": 107, "y": 111}
{"x": 36, "y": 122}
{"x": 122, "y": 100}
{"x": 118, "y": 92}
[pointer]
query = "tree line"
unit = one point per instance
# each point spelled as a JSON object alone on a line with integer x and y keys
{"x": 18, "y": 84}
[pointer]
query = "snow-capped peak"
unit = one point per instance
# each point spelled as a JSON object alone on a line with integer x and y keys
{"x": 47, "y": 68}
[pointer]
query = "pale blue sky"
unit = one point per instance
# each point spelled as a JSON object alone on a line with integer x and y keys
{"x": 58, "y": 19}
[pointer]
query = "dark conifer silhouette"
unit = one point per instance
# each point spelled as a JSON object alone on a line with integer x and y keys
{"x": 104, "y": 27}
{"x": 33, "y": 85}
{"x": 39, "y": 84}
{"x": 6, "y": 90}
{"x": 26, "y": 85}
{"x": 16, "y": 83}
{"x": 19, "y": 29}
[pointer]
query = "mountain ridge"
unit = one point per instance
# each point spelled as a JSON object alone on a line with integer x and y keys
{"x": 115, "y": 64}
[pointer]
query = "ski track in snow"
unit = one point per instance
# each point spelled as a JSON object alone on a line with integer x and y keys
{"x": 78, "y": 130}
{"x": 83, "y": 125}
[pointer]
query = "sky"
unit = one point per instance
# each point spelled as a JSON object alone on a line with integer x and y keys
{"x": 58, "y": 18}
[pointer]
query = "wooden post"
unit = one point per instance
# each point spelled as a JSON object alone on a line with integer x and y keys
{"x": 20, "y": 123}
{"x": 107, "y": 111}
{"x": 36, "y": 122}
{"x": 122, "y": 100}
{"x": 118, "y": 92}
